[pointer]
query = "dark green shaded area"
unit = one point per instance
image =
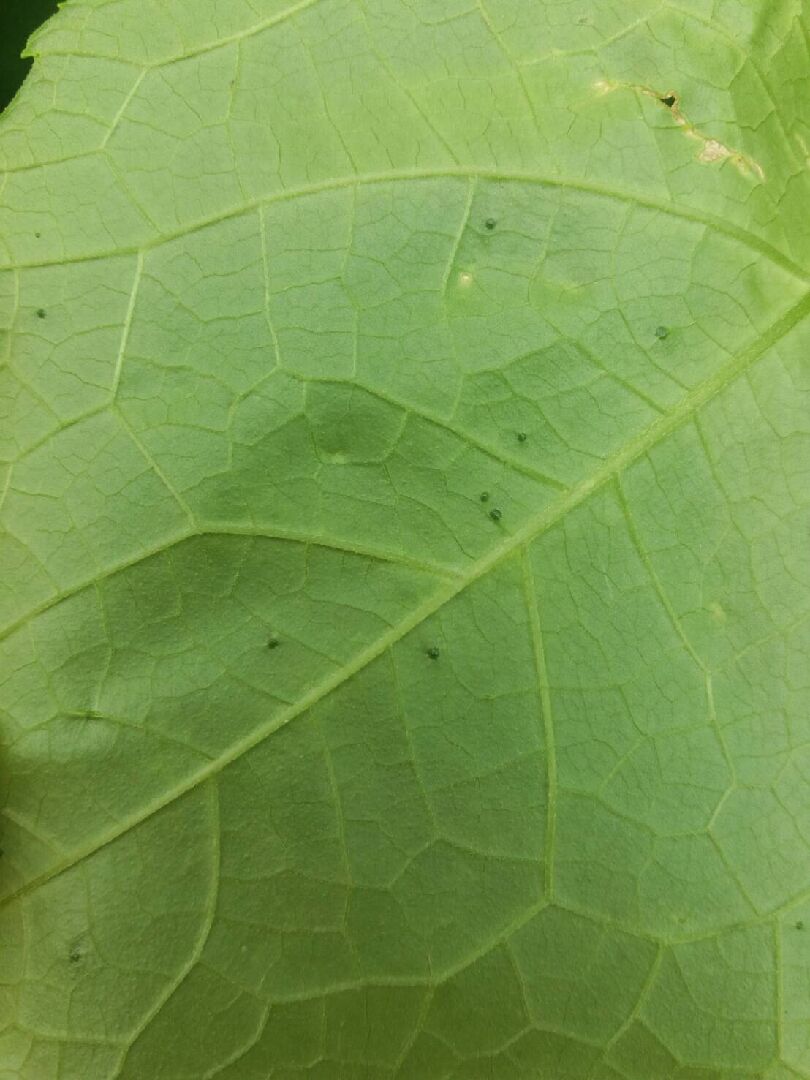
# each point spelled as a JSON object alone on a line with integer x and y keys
{"x": 18, "y": 20}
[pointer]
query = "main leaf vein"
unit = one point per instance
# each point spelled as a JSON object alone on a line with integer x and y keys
{"x": 534, "y": 527}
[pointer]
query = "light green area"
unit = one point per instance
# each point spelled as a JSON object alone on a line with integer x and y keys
{"x": 405, "y": 502}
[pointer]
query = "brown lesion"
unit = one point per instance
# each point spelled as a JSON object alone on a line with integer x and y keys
{"x": 711, "y": 149}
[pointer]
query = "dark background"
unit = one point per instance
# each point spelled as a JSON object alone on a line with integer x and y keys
{"x": 18, "y": 20}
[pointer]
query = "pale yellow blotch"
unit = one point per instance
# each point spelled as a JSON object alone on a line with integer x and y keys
{"x": 602, "y": 86}
{"x": 717, "y": 613}
{"x": 713, "y": 151}
{"x": 336, "y": 459}
{"x": 465, "y": 279}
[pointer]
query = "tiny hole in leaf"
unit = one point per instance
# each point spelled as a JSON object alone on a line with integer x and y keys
{"x": 669, "y": 100}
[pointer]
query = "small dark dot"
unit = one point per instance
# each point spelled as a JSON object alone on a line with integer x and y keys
{"x": 41, "y": 313}
{"x": 490, "y": 223}
{"x": 484, "y": 496}
{"x": 669, "y": 100}
{"x": 75, "y": 954}
{"x": 37, "y": 235}
{"x": 800, "y": 925}
{"x": 433, "y": 652}
{"x": 273, "y": 643}
{"x": 495, "y": 514}
{"x": 522, "y": 436}
{"x": 661, "y": 332}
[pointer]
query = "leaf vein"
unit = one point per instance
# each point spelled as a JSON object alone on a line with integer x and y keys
{"x": 536, "y": 526}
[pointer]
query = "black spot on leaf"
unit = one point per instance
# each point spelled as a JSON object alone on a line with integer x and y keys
{"x": 495, "y": 514}
{"x": 800, "y": 925}
{"x": 484, "y": 496}
{"x": 490, "y": 223}
{"x": 661, "y": 332}
{"x": 41, "y": 313}
{"x": 433, "y": 652}
{"x": 273, "y": 642}
{"x": 522, "y": 436}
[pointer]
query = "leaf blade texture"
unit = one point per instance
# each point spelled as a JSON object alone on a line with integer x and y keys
{"x": 405, "y": 503}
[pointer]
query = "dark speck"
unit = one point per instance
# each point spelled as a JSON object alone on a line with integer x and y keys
{"x": 41, "y": 313}
{"x": 800, "y": 925}
{"x": 669, "y": 100}
{"x": 76, "y": 952}
{"x": 484, "y": 496}
{"x": 522, "y": 436}
{"x": 37, "y": 235}
{"x": 273, "y": 643}
{"x": 495, "y": 514}
{"x": 661, "y": 332}
{"x": 490, "y": 223}
{"x": 433, "y": 652}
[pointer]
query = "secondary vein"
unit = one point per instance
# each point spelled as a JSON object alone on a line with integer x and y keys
{"x": 534, "y": 527}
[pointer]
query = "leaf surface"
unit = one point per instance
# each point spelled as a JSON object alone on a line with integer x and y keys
{"x": 405, "y": 509}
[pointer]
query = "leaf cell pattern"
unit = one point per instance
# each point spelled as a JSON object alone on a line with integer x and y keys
{"x": 404, "y": 505}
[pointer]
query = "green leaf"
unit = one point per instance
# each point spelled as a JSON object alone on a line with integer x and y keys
{"x": 405, "y": 528}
